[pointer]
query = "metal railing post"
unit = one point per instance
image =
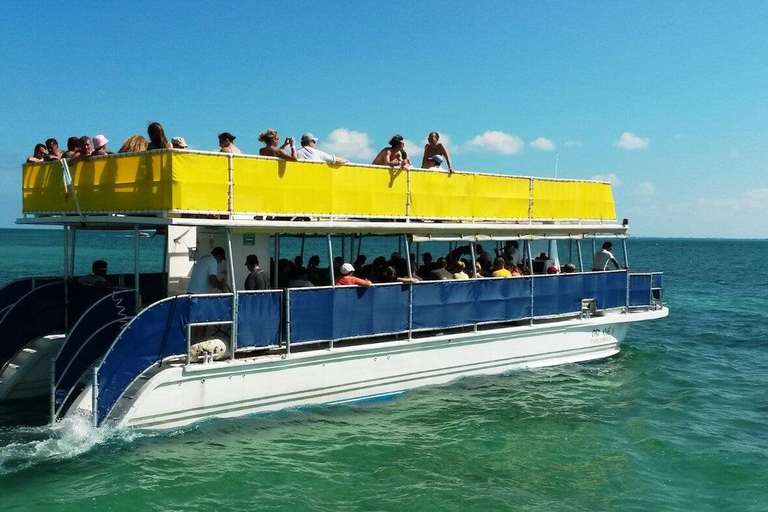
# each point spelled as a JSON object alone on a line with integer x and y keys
{"x": 136, "y": 294}
{"x": 95, "y": 396}
{"x": 66, "y": 275}
{"x": 53, "y": 391}
{"x": 581, "y": 260}
{"x": 626, "y": 265}
{"x": 233, "y": 331}
{"x": 277, "y": 262}
{"x": 231, "y": 188}
{"x": 410, "y": 287}
{"x": 530, "y": 262}
{"x": 330, "y": 260}
{"x": 288, "y": 321}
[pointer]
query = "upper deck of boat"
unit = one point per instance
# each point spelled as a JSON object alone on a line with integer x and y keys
{"x": 164, "y": 187}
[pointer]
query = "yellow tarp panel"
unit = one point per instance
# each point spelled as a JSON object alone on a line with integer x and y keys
{"x": 288, "y": 188}
{"x": 186, "y": 182}
{"x": 437, "y": 195}
{"x": 120, "y": 183}
{"x": 572, "y": 200}
{"x": 200, "y": 182}
{"x": 501, "y": 197}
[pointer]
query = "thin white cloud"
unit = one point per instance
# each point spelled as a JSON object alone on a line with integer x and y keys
{"x": 573, "y": 144}
{"x": 754, "y": 201}
{"x": 610, "y": 178}
{"x": 629, "y": 140}
{"x": 543, "y": 144}
{"x": 498, "y": 142}
{"x": 645, "y": 189}
{"x": 347, "y": 144}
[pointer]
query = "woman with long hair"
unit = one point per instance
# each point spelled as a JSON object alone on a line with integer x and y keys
{"x": 157, "y": 138}
{"x": 133, "y": 144}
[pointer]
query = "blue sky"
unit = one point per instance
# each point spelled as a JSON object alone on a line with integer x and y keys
{"x": 668, "y": 100}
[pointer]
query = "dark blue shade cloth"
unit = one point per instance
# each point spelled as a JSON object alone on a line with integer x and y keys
{"x": 258, "y": 319}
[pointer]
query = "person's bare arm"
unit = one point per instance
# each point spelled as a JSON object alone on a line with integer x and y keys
{"x": 424, "y": 160}
{"x": 447, "y": 158}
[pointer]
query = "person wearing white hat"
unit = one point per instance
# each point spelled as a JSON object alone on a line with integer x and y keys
{"x": 346, "y": 270}
{"x": 179, "y": 143}
{"x": 435, "y": 148}
{"x": 309, "y": 153}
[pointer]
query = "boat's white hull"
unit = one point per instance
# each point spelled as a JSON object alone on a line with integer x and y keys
{"x": 28, "y": 373}
{"x": 180, "y": 395}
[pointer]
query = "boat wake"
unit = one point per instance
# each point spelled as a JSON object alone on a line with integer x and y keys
{"x": 33, "y": 446}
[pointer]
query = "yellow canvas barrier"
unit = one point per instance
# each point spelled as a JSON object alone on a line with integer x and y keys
{"x": 561, "y": 200}
{"x": 176, "y": 182}
{"x": 115, "y": 184}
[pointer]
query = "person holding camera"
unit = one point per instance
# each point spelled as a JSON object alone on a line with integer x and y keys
{"x": 271, "y": 139}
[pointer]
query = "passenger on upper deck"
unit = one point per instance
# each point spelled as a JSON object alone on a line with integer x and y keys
{"x": 394, "y": 155}
{"x": 72, "y": 144}
{"x": 39, "y": 154}
{"x": 204, "y": 276}
{"x": 226, "y": 143}
{"x": 346, "y": 270}
{"x": 271, "y": 139}
{"x": 100, "y": 146}
{"x": 308, "y": 152}
{"x": 99, "y": 276}
{"x": 257, "y": 278}
{"x": 603, "y": 257}
{"x": 434, "y": 148}
{"x": 133, "y": 144}
{"x": 84, "y": 149}
{"x": 179, "y": 143}
{"x": 157, "y": 138}
{"x": 54, "y": 153}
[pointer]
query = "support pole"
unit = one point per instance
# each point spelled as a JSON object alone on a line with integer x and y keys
{"x": 530, "y": 263}
{"x": 67, "y": 275}
{"x": 277, "y": 262}
{"x": 288, "y": 321}
{"x": 233, "y": 330}
{"x": 136, "y": 295}
{"x": 626, "y": 264}
{"x": 330, "y": 260}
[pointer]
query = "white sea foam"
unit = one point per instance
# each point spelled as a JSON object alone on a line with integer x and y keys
{"x": 68, "y": 439}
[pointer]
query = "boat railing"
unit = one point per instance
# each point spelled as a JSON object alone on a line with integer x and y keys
{"x": 14, "y": 290}
{"x": 178, "y": 183}
{"x": 88, "y": 341}
{"x": 332, "y": 314}
{"x": 43, "y": 311}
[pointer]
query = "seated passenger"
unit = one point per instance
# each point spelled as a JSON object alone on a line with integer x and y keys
{"x": 499, "y": 270}
{"x": 552, "y": 269}
{"x": 72, "y": 144}
{"x": 226, "y": 143}
{"x": 133, "y": 144}
{"x": 603, "y": 257}
{"x": 99, "y": 276}
{"x": 309, "y": 153}
{"x": 100, "y": 146}
{"x": 346, "y": 277}
{"x": 440, "y": 273}
{"x": 39, "y": 154}
{"x": 157, "y": 138}
{"x": 434, "y": 148}
{"x": 54, "y": 153}
{"x": 394, "y": 155}
{"x": 458, "y": 270}
{"x": 300, "y": 279}
{"x": 569, "y": 268}
{"x": 516, "y": 271}
{"x": 179, "y": 143}
{"x": 271, "y": 139}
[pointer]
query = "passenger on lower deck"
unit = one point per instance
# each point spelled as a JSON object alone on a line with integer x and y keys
{"x": 603, "y": 257}
{"x": 499, "y": 268}
{"x": 204, "y": 277}
{"x": 346, "y": 278}
{"x": 99, "y": 276}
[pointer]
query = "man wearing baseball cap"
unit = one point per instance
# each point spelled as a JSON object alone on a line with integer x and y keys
{"x": 257, "y": 278}
{"x": 226, "y": 143}
{"x": 179, "y": 143}
{"x": 346, "y": 270}
{"x": 309, "y": 153}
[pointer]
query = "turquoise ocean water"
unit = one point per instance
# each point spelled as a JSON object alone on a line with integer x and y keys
{"x": 677, "y": 421}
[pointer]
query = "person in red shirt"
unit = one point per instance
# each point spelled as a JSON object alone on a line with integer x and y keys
{"x": 346, "y": 277}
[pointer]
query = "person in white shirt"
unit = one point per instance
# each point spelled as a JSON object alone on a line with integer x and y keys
{"x": 204, "y": 277}
{"x": 603, "y": 257}
{"x": 308, "y": 152}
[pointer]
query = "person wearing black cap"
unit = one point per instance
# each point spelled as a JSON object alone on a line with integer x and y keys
{"x": 226, "y": 143}
{"x": 257, "y": 278}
